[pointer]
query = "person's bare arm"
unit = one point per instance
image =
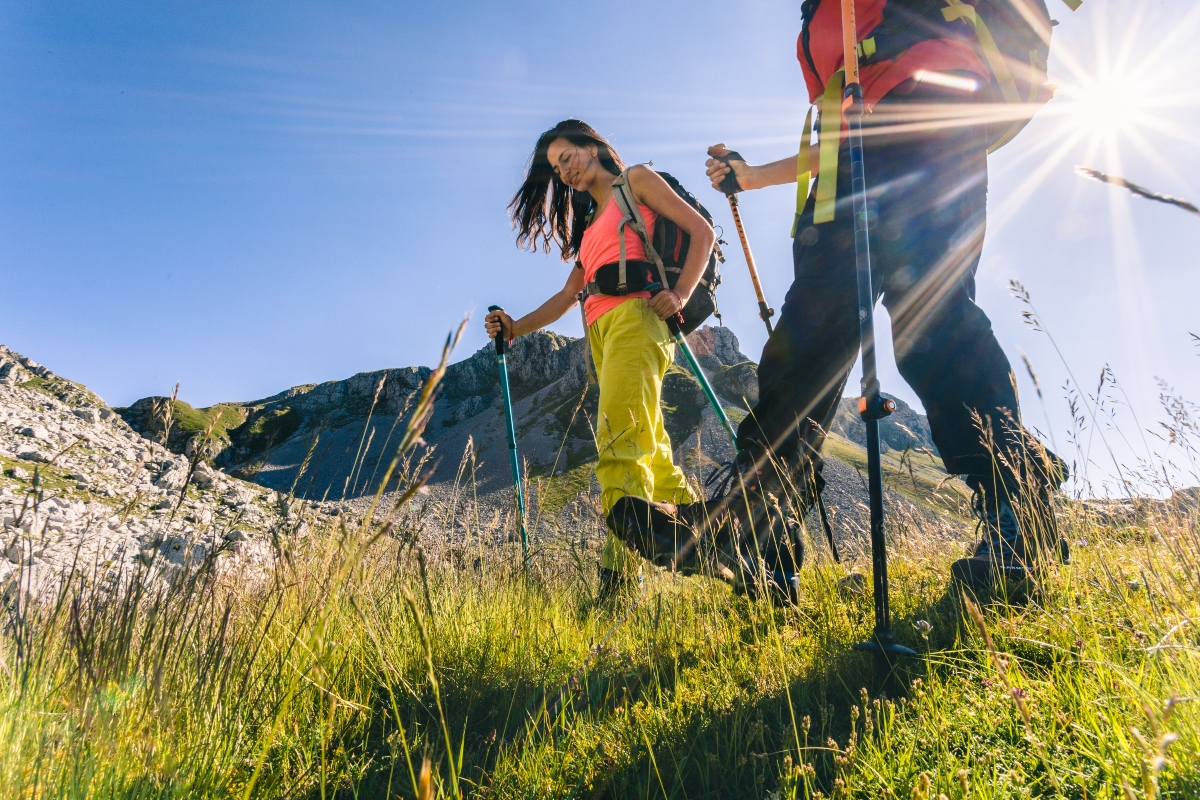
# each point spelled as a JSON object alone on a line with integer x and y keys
{"x": 649, "y": 189}
{"x": 550, "y": 311}
{"x": 757, "y": 177}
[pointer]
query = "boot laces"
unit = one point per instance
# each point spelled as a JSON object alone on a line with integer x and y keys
{"x": 719, "y": 480}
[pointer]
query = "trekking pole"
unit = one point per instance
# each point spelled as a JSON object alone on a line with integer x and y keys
{"x": 677, "y": 334}
{"x": 730, "y": 187}
{"x": 506, "y": 393}
{"x": 872, "y": 406}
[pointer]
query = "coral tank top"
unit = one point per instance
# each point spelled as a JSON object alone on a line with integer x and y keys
{"x": 602, "y": 245}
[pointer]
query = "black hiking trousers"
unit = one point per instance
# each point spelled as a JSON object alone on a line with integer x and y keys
{"x": 927, "y": 198}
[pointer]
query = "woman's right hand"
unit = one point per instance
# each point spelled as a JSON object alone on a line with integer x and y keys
{"x": 497, "y": 323}
{"x": 717, "y": 169}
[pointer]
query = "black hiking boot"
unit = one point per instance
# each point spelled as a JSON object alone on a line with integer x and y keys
{"x": 747, "y": 532}
{"x": 1000, "y": 558}
{"x": 1015, "y": 541}
{"x": 662, "y": 533}
{"x": 779, "y": 586}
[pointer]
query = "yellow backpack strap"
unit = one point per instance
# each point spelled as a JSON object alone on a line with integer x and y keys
{"x": 956, "y": 9}
{"x": 829, "y": 140}
{"x": 803, "y": 173}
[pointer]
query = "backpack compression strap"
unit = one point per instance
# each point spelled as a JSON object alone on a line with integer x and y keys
{"x": 632, "y": 216}
{"x": 956, "y": 9}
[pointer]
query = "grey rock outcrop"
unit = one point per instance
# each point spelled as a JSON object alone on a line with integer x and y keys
{"x": 335, "y": 441}
{"x": 107, "y": 501}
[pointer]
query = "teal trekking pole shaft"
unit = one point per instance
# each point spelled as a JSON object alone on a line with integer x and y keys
{"x": 677, "y": 334}
{"x": 510, "y": 429}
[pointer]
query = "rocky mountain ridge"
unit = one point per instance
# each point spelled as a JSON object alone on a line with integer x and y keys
{"x": 342, "y": 429}
{"x": 84, "y": 497}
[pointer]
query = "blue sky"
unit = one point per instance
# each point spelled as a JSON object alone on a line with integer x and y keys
{"x": 246, "y": 196}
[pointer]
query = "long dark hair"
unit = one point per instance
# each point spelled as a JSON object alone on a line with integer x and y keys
{"x": 544, "y": 209}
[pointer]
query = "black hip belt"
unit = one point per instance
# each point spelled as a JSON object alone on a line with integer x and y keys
{"x": 609, "y": 280}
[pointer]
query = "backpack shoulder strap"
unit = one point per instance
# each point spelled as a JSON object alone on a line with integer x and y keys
{"x": 631, "y": 216}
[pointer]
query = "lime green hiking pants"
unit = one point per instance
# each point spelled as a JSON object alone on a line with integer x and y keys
{"x": 632, "y": 350}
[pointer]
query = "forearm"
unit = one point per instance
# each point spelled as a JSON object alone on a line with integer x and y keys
{"x": 548, "y": 312}
{"x": 699, "y": 250}
{"x": 778, "y": 172}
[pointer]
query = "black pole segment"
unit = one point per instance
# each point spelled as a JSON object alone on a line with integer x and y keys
{"x": 872, "y": 405}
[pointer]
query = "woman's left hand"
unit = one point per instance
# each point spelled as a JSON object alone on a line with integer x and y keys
{"x": 667, "y": 303}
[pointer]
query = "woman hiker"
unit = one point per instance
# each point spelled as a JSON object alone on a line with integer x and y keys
{"x": 567, "y": 200}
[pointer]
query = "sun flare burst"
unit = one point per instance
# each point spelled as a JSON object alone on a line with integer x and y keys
{"x": 1109, "y": 105}
{"x": 1115, "y": 100}
{"x": 1119, "y": 86}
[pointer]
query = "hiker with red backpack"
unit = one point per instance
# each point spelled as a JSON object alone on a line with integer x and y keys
{"x": 945, "y": 83}
{"x": 630, "y": 232}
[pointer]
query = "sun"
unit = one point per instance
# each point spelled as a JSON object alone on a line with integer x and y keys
{"x": 1116, "y": 102}
{"x": 1107, "y": 106}
{"x": 1116, "y": 83}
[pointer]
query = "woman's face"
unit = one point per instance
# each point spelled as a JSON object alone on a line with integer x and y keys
{"x": 574, "y": 164}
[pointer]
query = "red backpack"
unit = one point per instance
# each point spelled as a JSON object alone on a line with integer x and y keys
{"x": 1011, "y": 36}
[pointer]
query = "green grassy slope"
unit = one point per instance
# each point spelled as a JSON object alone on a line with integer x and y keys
{"x": 366, "y": 662}
{"x": 356, "y": 660}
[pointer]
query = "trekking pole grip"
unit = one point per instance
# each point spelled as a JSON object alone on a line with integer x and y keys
{"x": 500, "y": 335}
{"x": 729, "y": 184}
{"x": 673, "y": 320}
